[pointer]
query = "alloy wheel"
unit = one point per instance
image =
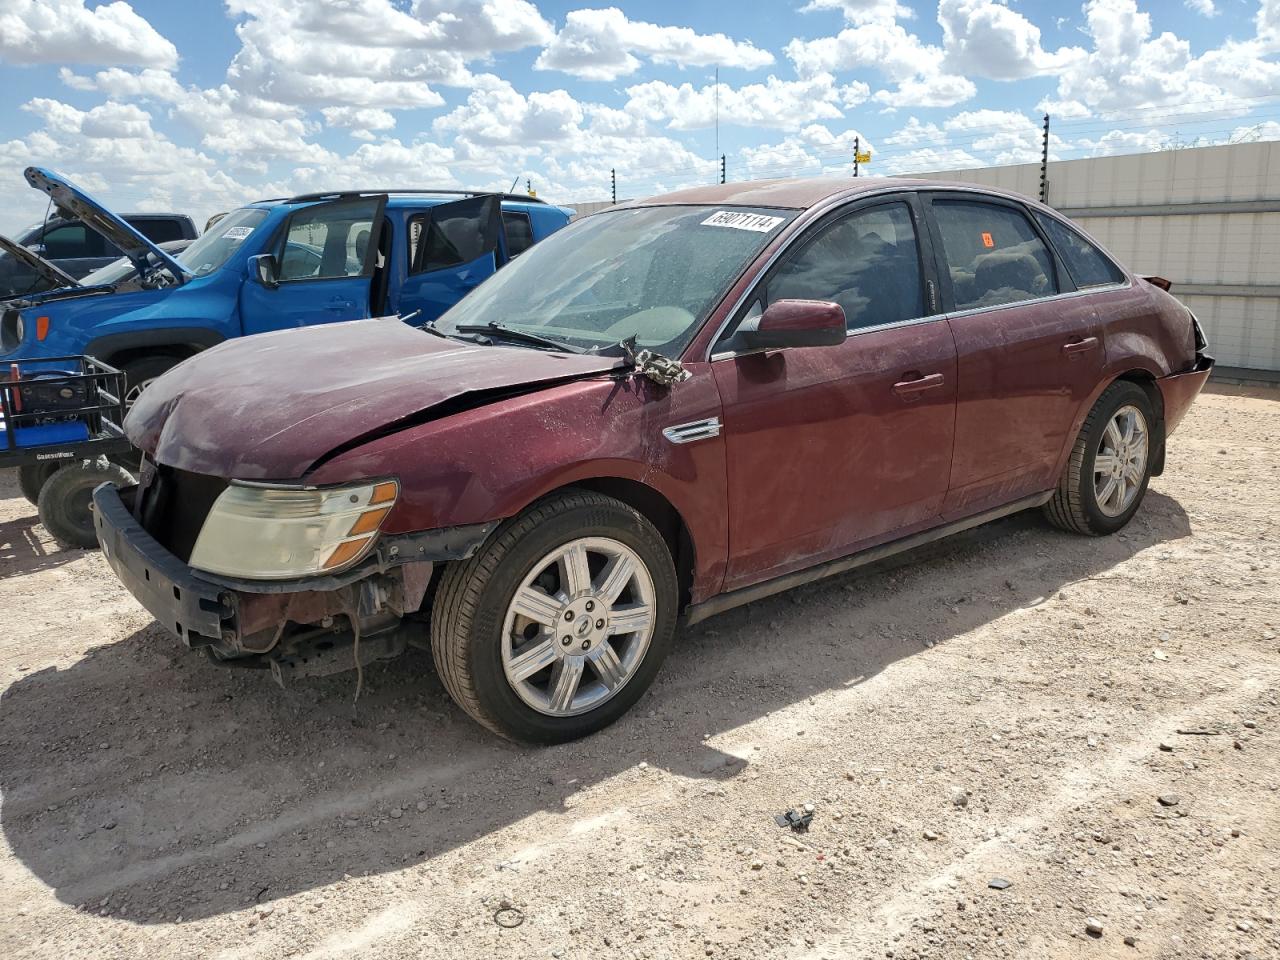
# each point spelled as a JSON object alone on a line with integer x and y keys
{"x": 577, "y": 627}
{"x": 1121, "y": 461}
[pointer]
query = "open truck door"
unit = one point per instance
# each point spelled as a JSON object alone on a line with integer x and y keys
{"x": 453, "y": 248}
{"x": 320, "y": 269}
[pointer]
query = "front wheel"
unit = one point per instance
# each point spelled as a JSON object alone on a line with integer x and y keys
{"x": 66, "y": 500}
{"x": 1107, "y": 475}
{"x": 558, "y": 624}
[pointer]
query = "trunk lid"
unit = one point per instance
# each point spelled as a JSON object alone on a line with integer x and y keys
{"x": 79, "y": 204}
{"x": 268, "y": 407}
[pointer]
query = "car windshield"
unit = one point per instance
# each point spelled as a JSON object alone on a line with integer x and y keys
{"x": 215, "y": 246}
{"x": 649, "y": 272}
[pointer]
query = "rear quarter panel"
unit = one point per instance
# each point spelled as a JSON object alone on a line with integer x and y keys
{"x": 492, "y": 462}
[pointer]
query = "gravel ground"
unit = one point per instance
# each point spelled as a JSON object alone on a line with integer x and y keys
{"x": 1093, "y": 725}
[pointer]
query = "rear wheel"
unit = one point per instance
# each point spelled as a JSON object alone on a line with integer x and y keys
{"x": 32, "y": 477}
{"x": 558, "y": 624}
{"x": 66, "y": 500}
{"x": 1110, "y": 465}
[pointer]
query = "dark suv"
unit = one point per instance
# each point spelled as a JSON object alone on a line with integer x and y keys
{"x": 662, "y": 411}
{"x": 77, "y": 249}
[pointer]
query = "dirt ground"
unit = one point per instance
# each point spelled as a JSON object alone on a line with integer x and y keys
{"x": 1096, "y": 722}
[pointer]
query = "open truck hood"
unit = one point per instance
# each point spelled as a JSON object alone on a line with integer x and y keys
{"x": 37, "y": 263}
{"x": 269, "y": 407}
{"x": 76, "y": 203}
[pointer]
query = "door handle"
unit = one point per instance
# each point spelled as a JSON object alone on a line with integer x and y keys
{"x": 907, "y": 388}
{"x": 1077, "y": 347}
{"x": 340, "y": 305}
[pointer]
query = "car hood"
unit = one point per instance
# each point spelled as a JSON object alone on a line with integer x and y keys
{"x": 270, "y": 407}
{"x": 37, "y": 263}
{"x": 75, "y": 202}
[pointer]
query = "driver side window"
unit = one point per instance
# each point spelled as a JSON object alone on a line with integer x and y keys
{"x": 327, "y": 241}
{"x": 868, "y": 262}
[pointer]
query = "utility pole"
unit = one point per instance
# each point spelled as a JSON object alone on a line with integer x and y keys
{"x": 722, "y": 168}
{"x": 1044, "y": 163}
{"x": 613, "y": 180}
{"x": 857, "y": 149}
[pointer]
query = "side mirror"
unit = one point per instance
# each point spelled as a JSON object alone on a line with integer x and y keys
{"x": 39, "y": 249}
{"x": 263, "y": 269}
{"x": 796, "y": 323}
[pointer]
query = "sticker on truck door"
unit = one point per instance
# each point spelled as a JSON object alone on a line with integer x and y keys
{"x": 755, "y": 222}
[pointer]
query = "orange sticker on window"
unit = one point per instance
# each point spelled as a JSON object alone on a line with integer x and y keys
{"x": 987, "y": 241}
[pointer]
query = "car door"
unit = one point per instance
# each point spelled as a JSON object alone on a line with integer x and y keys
{"x": 325, "y": 256}
{"x": 1028, "y": 348}
{"x": 453, "y": 248}
{"x": 831, "y": 449}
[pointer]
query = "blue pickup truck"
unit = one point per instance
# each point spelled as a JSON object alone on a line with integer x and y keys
{"x": 316, "y": 258}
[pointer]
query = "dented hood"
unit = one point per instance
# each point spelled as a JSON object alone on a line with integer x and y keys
{"x": 269, "y": 407}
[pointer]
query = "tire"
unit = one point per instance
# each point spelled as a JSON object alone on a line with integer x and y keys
{"x": 474, "y": 611}
{"x": 139, "y": 373}
{"x": 32, "y": 477}
{"x": 66, "y": 497}
{"x": 1076, "y": 505}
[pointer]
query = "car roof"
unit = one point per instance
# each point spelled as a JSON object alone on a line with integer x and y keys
{"x": 414, "y": 200}
{"x": 802, "y": 193}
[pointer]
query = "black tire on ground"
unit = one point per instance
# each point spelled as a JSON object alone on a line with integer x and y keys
{"x": 1074, "y": 506}
{"x": 66, "y": 498}
{"x": 472, "y": 600}
{"x": 32, "y": 477}
{"x": 145, "y": 369}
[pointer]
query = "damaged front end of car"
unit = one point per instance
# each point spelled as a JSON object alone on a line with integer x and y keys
{"x": 325, "y": 608}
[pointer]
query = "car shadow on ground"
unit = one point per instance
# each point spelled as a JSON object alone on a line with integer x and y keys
{"x": 23, "y": 550}
{"x": 176, "y": 789}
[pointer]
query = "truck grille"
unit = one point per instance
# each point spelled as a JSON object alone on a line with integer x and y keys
{"x": 172, "y": 505}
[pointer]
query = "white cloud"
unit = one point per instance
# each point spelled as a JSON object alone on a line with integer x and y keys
{"x": 65, "y": 31}
{"x": 863, "y": 11}
{"x": 888, "y": 48}
{"x": 774, "y": 103}
{"x": 914, "y": 132}
{"x": 1008, "y": 136}
{"x": 602, "y": 45}
{"x": 1203, "y": 7}
{"x": 362, "y": 122}
{"x": 497, "y": 114}
{"x": 813, "y": 151}
{"x": 372, "y": 53}
{"x": 987, "y": 39}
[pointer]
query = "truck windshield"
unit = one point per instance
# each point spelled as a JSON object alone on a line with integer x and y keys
{"x": 649, "y": 272}
{"x": 219, "y": 242}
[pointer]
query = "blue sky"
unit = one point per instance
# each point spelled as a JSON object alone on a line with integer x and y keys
{"x": 199, "y": 106}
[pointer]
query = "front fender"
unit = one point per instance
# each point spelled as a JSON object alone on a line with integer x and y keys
{"x": 491, "y": 462}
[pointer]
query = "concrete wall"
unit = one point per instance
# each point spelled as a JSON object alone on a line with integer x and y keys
{"x": 1206, "y": 218}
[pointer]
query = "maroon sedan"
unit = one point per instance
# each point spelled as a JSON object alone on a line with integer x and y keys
{"x": 661, "y": 412}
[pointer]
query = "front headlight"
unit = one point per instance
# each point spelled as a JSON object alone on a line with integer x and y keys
{"x": 260, "y": 531}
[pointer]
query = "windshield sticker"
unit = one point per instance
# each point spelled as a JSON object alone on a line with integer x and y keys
{"x": 237, "y": 233}
{"x": 755, "y": 222}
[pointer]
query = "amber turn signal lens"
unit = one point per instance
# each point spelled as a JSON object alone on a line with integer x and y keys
{"x": 346, "y": 551}
{"x": 384, "y": 492}
{"x": 42, "y": 327}
{"x": 368, "y": 522}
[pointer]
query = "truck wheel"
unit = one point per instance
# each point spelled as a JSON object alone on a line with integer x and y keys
{"x": 559, "y": 622}
{"x": 1110, "y": 465}
{"x": 32, "y": 477}
{"x": 139, "y": 373}
{"x": 66, "y": 499}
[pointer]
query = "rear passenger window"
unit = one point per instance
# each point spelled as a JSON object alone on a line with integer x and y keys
{"x": 868, "y": 262}
{"x": 993, "y": 254}
{"x": 519, "y": 232}
{"x": 1089, "y": 267}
